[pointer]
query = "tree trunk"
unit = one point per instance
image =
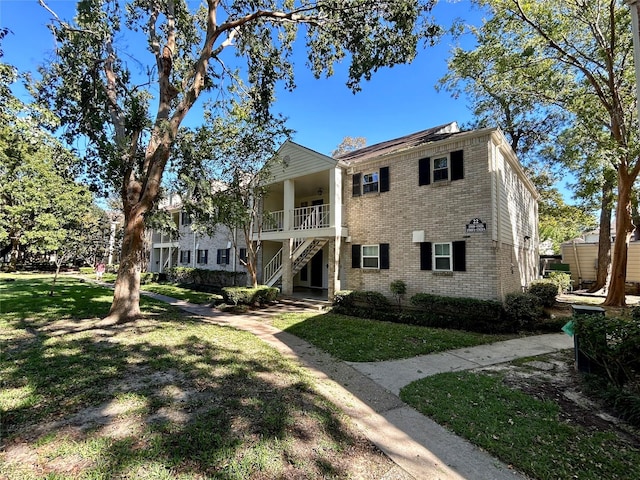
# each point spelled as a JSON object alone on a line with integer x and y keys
{"x": 126, "y": 295}
{"x": 616, "y": 297}
{"x": 604, "y": 240}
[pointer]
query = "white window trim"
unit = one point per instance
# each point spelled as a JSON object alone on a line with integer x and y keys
{"x": 376, "y": 175}
{"x": 450, "y": 257}
{"x": 377, "y": 257}
{"x": 447, "y": 157}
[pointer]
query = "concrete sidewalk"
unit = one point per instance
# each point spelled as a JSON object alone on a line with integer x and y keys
{"x": 367, "y": 393}
{"x": 395, "y": 374}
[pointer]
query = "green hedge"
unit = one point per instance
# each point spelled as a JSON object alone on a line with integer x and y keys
{"x": 87, "y": 270}
{"x": 520, "y": 311}
{"x": 249, "y": 296}
{"x": 201, "y": 276}
{"x": 427, "y": 310}
{"x": 486, "y": 316}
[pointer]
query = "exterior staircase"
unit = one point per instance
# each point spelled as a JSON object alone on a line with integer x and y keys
{"x": 303, "y": 251}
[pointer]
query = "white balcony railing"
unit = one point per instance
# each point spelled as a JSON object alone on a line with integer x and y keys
{"x": 273, "y": 221}
{"x": 316, "y": 216}
{"x": 304, "y": 218}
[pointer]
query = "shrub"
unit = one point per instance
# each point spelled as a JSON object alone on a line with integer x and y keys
{"x": 363, "y": 303}
{"x": 87, "y": 270}
{"x": 561, "y": 280}
{"x": 459, "y": 312}
{"x": 611, "y": 343}
{"x": 546, "y": 291}
{"x": 250, "y": 296}
{"x": 523, "y": 310}
{"x": 398, "y": 289}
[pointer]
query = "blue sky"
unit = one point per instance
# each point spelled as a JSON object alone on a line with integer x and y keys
{"x": 396, "y": 102}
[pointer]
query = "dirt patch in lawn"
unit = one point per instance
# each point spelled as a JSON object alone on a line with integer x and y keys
{"x": 553, "y": 377}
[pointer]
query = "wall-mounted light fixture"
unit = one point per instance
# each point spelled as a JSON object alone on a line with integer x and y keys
{"x": 320, "y": 191}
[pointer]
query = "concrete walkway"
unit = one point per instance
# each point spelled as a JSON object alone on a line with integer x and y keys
{"x": 368, "y": 394}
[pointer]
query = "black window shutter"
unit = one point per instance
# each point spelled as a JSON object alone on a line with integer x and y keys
{"x": 355, "y": 256}
{"x": 206, "y": 256}
{"x": 425, "y": 256}
{"x": 424, "y": 171}
{"x": 384, "y": 256}
{"x": 384, "y": 179}
{"x": 459, "y": 256}
{"x": 219, "y": 257}
{"x": 457, "y": 165}
{"x": 357, "y": 190}
{"x": 228, "y": 255}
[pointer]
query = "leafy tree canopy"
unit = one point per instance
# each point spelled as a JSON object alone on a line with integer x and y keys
{"x": 130, "y": 111}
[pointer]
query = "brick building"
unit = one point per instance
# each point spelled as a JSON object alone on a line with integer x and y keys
{"x": 446, "y": 211}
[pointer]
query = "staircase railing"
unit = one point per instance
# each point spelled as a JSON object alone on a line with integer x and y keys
{"x": 301, "y": 247}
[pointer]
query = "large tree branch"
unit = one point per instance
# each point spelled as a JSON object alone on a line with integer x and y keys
{"x": 566, "y": 56}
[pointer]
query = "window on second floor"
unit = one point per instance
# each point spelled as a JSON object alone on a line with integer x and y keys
{"x": 441, "y": 168}
{"x": 185, "y": 218}
{"x": 371, "y": 182}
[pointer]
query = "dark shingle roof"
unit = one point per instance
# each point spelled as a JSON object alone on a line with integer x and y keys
{"x": 412, "y": 140}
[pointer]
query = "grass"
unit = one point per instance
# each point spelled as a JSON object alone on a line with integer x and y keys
{"x": 361, "y": 340}
{"x": 164, "y": 397}
{"x": 521, "y": 430}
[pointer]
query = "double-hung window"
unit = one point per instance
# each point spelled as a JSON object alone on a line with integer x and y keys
{"x": 370, "y": 256}
{"x": 370, "y": 182}
{"x": 223, "y": 256}
{"x": 202, "y": 256}
{"x": 442, "y": 256}
{"x": 440, "y": 169}
{"x": 185, "y": 256}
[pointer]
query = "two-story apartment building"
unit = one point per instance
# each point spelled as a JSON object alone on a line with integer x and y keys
{"x": 191, "y": 249}
{"x": 446, "y": 211}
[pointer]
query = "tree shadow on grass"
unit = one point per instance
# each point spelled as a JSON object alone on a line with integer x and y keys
{"x": 162, "y": 398}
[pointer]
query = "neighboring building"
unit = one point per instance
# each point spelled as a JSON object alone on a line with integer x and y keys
{"x": 581, "y": 254}
{"x": 448, "y": 212}
{"x": 191, "y": 249}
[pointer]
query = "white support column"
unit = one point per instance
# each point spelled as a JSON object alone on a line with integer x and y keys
{"x": 334, "y": 267}
{"x": 289, "y": 204}
{"x": 335, "y": 198}
{"x": 287, "y": 267}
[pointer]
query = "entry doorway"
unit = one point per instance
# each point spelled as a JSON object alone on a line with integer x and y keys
{"x": 317, "y": 264}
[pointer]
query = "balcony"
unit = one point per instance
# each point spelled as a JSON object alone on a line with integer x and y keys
{"x": 303, "y": 218}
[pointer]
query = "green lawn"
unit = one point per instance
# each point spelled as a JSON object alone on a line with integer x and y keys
{"x": 521, "y": 430}
{"x": 361, "y": 340}
{"x": 164, "y": 397}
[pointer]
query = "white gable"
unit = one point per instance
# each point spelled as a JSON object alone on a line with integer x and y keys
{"x": 294, "y": 161}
